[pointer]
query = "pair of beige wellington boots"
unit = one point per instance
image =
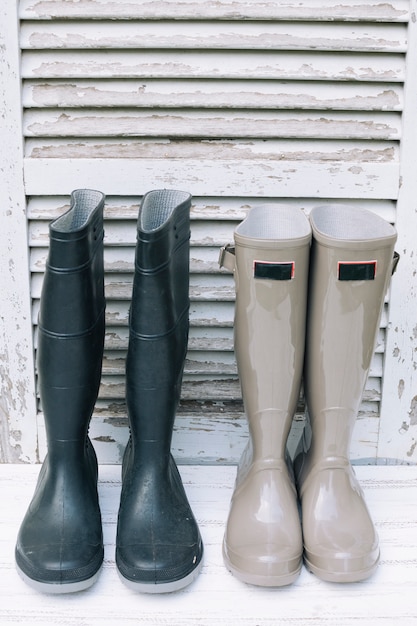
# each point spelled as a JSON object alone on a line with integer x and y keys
{"x": 309, "y": 297}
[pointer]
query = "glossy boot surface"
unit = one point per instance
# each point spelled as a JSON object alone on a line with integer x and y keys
{"x": 351, "y": 263}
{"x": 59, "y": 547}
{"x": 158, "y": 547}
{"x": 262, "y": 543}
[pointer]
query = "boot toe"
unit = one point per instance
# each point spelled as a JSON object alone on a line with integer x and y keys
{"x": 340, "y": 540}
{"x": 343, "y": 566}
{"x": 158, "y": 569}
{"x": 58, "y": 568}
{"x": 264, "y": 565}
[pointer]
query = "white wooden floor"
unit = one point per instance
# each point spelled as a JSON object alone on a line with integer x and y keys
{"x": 216, "y": 598}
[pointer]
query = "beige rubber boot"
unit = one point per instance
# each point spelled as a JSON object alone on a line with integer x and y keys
{"x": 263, "y": 541}
{"x": 350, "y": 268}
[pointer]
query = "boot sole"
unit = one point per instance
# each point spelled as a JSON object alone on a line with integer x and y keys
{"x": 168, "y": 587}
{"x": 58, "y": 588}
{"x": 267, "y": 580}
{"x": 353, "y": 576}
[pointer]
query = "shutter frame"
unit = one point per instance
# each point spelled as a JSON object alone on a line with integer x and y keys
{"x": 284, "y": 121}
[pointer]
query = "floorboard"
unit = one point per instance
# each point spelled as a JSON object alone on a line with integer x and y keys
{"x": 389, "y": 598}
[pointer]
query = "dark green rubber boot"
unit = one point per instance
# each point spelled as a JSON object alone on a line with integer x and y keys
{"x": 59, "y": 546}
{"x": 158, "y": 548}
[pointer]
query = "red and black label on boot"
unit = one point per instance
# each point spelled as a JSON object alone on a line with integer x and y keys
{"x": 356, "y": 270}
{"x": 272, "y": 270}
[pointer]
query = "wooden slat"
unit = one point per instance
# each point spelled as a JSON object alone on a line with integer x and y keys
{"x": 214, "y": 35}
{"x": 214, "y": 433}
{"x": 214, "y": 319}
{"x": 204, "y": 124}
{"x": 64, "y": 64}
{"x": 213, "y": 94}
{"x": 214, "y": 288}
{"x": 219, "y": 385}
{"x": 208, "y": 432}
{"x": 214, "y": 177}
{"x": 321, "y": 151}
{"x": 205, "y": 315}
{"x": 203, "y": 345}
{"x": 123, "y": 233}
{"x": 118, "y": 259}
{"x": 211, "y": 432}
{"x": 230, "y": 209}
{"x": 212, "y": 364}
{"x": 349, "y": 10}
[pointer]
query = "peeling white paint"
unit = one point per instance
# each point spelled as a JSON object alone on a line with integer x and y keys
{"x": 17, "y": 392}
{"x": 401, "y": 336}
{"x": 348, "y": 10}
{"x": 401, "y": 385}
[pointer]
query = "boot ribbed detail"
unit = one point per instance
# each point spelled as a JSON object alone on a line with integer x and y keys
{"x": 158, "y": 547}
{"x": 350, "y": 268}
{"x": 262, "y": 543}
{"x": 59, "y": 546}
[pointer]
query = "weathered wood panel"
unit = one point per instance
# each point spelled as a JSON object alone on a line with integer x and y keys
{"x": 202, "y": 177}
{"x": 238, "y": 102}
{"x": 398, "y": 429}
{"x": 17, "y": 386}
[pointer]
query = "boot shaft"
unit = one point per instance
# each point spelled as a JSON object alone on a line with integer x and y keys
{"x": 158, "y": 325}
{"x": 71, "y": 319}
{"x": 271, "y": 272}
{"x": 160, "y": 295}
{"x": 262, "y": 543}
{"x": 351, "y": 262}
{"x": 158, "y": 545}
{"x": 72, "y": 296}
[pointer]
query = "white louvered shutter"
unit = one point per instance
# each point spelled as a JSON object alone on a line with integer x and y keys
{"x": 237, "y": 102}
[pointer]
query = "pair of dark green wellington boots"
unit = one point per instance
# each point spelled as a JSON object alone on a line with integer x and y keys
{"x": 59, "y": 547}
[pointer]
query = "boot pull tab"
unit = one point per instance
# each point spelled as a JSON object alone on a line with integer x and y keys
{"x": 395, "y": 261}
{"x": 366, "y": 270}
{"x": 227, "y": 257}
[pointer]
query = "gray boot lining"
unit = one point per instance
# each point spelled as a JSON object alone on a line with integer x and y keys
{"x": 158, "y": 206}
{"x": 344, "y": 222}
{"x": 274, "y": 222}
{"x": 84, "y": 202}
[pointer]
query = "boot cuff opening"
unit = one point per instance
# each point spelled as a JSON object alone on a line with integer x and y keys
{"x": 349, "y": 224}
{"x": 83, "y": 203}
{"x": 274, "y": 223}
{"x": 157, "y": 207}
